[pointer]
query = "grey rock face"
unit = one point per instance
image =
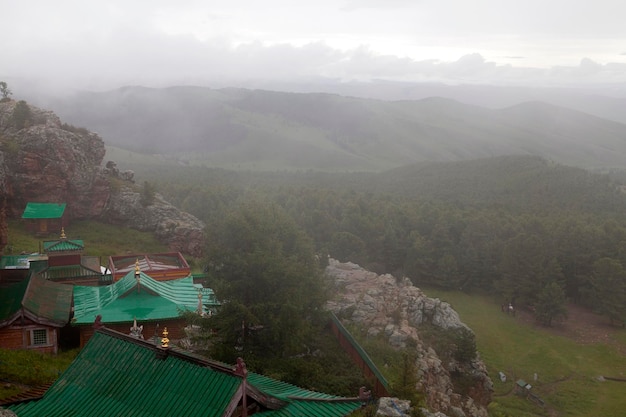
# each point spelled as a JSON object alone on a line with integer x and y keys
{"x": 181, "y": 230}
{"x": 385, "y": 305}
{"x": 45, "y": 160}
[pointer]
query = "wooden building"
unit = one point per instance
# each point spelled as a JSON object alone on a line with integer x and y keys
{"x": 137, "y": 296}
{"x": 15, "y": 268}
{"x": 32, "y": 312}
{"x": 67, "y": 264}
{"x": 45, "y": 218}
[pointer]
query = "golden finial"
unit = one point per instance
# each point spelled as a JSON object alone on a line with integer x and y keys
{"x": 63, "y": 233}
{"x": 165, "y": 342}
{"x": 137, "y": 275}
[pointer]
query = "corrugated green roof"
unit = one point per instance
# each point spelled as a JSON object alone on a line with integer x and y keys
{"x": 14, "y": 262}
{"x": 283, "y": 390}
{"x": 68, "y": 272}
{"x": 155, "y": 300}
{"x": 41, "y": 300}
{"x": 44, "y": 211}
{"x": 114, "y": 377}
{"x": 301, "y": 402}
{"x": 63, "y": 245}
{"x": 117, "y": 375}
{"x": 49, "y": 300}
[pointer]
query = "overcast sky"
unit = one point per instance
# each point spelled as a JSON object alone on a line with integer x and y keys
{"x": 109, "y": 43}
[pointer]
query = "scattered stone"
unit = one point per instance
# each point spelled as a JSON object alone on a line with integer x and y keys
{"x": 393, "y": 407}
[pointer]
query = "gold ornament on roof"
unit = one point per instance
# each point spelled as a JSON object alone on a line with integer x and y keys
{"x": 63, "y": 233}
{"x": 165, "y": 342}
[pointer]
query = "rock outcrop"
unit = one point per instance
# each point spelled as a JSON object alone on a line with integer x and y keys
{"x": 182, "y": 231}
{"x": 453, "y": 383}
{"x": 45, "y": 160}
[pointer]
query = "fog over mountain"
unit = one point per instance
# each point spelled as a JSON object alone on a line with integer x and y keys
{"x": 258, "y": 129}
{"x": 485, "y": 53}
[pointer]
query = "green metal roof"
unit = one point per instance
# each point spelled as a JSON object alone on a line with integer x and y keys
{"x": 48, "y": 300}
{"x": 42, "y": 301}
{"x": 44, "y": 211}
{"x": 14, "y": 262}
{"x": 116, "y": 375}
{"x": 63, "y": 245}
{"x": 155, "y": 300}
{"x": 283, "y": 390}
{"x": 301, "y": 402}
{"x": 68, "y": 272}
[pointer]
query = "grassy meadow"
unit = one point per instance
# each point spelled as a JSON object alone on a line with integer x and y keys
{"x": 100, "y": 239}
{"x": 567, "y": 371}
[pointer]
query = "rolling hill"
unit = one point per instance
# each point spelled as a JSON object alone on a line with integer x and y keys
{"x": 255, "y": 129}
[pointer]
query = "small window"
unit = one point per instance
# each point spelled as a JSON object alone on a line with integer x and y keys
{"x": 39, "y": 337}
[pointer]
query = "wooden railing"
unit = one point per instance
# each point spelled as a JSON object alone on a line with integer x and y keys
{"x": 360, "y": 358}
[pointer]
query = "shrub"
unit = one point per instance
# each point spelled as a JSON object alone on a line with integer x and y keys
{"x": 70, "y": 128}
{"x": 22, "y": 116}
{"x": 147, "y": 194}
{"x": 458, "y": 343}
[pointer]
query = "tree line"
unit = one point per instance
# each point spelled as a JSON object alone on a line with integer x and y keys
{"x": 531, "y": 232}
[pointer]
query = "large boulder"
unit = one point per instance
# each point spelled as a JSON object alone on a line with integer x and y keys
{"x": 48, "y": 161}
{"x": 182, "y": 231}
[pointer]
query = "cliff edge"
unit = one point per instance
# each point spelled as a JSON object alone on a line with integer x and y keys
{"x": 449, "y": 371}
{"x": 43, "y": 159}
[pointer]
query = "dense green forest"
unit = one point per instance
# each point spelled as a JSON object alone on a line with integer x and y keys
{"x": 531, "y": 231}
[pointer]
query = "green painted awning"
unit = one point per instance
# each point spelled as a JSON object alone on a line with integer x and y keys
{"x": 44, "y": 211}
{"x": 155, "y": 300}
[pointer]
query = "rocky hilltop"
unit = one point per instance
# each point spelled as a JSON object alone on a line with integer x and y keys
{"x": 45, "y": 160}
{"x": 454, "y": 381}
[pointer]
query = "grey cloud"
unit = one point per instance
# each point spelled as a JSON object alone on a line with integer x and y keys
{"x": 352, "y": 5}
{"x": 97, "y": 53}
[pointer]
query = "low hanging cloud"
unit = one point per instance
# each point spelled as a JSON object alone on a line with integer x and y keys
{"x": 125, "y": 57}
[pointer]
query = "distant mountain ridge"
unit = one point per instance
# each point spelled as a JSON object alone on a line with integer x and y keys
{"x": 256, "y": 129}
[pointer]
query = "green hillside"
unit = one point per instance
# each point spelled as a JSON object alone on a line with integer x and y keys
{"x": 264, "y": 130}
